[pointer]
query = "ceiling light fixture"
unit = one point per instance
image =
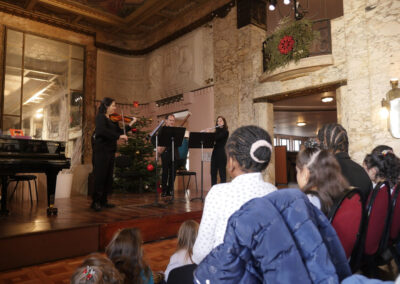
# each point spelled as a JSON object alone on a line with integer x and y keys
{"x": 298, "y": 12}
{"x": 327, "y": 99}
{"x": 301, "y": 123}
{"x": 272, "y": 4}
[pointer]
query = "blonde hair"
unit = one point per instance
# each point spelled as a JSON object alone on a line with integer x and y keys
{"x": 97, "y": 269}
{"x": 187, "y": 235}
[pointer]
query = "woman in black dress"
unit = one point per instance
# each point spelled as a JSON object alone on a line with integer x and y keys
{"x": 105, "y": 146}
{"x": 218, "y": 157}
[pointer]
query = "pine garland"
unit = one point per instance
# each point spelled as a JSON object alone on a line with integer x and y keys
{"x": 291, "y": 41}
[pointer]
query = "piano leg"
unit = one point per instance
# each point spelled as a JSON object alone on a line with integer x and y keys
{"x": 4, "y": 183}
{"x": 51, "y": 190}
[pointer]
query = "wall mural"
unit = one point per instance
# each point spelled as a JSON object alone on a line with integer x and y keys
{"x": 121, "y": 8}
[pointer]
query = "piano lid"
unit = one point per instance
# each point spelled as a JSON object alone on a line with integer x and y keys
{"x": 14, "y": 146}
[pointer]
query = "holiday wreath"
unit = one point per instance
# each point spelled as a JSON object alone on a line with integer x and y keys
{"x": 290, "y": 41}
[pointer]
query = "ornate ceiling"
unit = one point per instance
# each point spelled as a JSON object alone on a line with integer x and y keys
{"x": 144, "y": 21}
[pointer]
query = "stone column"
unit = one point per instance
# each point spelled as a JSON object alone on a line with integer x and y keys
{"x": 89, "y": 111}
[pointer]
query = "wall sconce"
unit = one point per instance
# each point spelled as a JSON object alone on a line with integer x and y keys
{"x": 392, "y": 104}
{"x": 301, "y": 123}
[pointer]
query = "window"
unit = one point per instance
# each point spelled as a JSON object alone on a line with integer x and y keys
{"x": 285, "y": 142}
{"x": 296, "y": 145}
{"x": 43, "y": 88}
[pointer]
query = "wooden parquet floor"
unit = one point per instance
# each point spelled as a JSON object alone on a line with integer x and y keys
{"x": 156, "y": 255}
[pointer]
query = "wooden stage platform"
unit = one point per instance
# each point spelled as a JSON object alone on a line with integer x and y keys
{"x": 28, "y": 236}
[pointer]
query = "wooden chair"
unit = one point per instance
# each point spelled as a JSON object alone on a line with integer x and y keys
{"x": 347, "y": 219}
{"x": 394, "y": 225}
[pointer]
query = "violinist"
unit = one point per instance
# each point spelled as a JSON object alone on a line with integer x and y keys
{"x": 105, "y": 145}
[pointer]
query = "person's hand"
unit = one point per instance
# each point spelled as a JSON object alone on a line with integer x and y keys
{"x": 133, "y": 121}
{"x": 124, "y": 137}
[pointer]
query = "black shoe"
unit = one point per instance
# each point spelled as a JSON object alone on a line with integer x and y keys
{"x": 169, "y": 193}
{"x": 96, "y": 206}
{"x": 108, "y": 205}
{"x": 163, "y": 194}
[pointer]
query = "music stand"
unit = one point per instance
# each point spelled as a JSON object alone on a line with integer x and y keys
{"x": 153, "y": 136}
{"x": 172, "y": 136}
{"x": 201, "y": 140}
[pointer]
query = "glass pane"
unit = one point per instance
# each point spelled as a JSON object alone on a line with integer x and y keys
{"x": 13, "y": 75}
{"x": 10, "y": 122}
{"x": 45, "y": 88}
{"x": 76, "y": 74}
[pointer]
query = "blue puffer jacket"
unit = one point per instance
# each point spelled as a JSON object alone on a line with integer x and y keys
{"x": 278, "y": 238}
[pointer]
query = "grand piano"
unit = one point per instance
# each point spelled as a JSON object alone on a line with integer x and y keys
{"x": 18, "y": 155}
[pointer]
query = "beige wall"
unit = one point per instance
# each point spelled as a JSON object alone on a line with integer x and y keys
{"x": 179, "y": 67}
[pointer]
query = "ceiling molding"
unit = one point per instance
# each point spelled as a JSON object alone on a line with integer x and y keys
{"x": 86, "y": 11}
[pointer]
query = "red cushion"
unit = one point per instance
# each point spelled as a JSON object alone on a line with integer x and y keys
{"x": 376, "y": 220}
{"x": 395, "y": 227}
{"x": 347, "y": 222}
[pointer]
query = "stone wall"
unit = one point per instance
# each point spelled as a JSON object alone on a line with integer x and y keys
{"x": 181, "y": 66}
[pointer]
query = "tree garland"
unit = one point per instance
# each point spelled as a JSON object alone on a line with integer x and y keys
{"x": 291, "y": 41}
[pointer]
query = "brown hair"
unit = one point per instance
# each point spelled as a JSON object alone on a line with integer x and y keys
{"x": 125, "y": 251}
{"x": 97, "y": 269}
{"x": 187, "y": 235}
{"x": 223, "y": 118}
{"x": 325, "y": 176}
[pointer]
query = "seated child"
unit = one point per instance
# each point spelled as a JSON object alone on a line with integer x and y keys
{"x": 125, "y": 251}
{"x": 97, "y": 269}
{"x": 186, "y": 237}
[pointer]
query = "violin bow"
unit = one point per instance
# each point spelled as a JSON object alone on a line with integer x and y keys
{"x": 123, "y": 124}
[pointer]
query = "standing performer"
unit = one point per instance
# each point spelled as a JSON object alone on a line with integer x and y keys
{"x": 105, "y": 146}
{"x": 166, "y": 159}
{"x": 218, "y": 157}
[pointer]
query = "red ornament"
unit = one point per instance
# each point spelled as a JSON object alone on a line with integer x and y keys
{"x": 134, "y": 130}
{"x": 135, "y": 104}
{"x": 286, "y": 45}
{"x": 150, "y": 167}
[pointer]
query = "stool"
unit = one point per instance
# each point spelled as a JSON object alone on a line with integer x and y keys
{"x": 22, "y": 178}
{"x": 187, "y": 173}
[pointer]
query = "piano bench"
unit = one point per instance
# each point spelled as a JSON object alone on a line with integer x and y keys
{"x": 22, "y": 178}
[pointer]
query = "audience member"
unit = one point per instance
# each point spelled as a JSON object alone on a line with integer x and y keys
{"x": 125, "y": 251}
{"x": 278, "y": 238}
{"x": 248, "y": 152}
{"x": 97, "y": 269}
{"x": 187, "y": 235}
{"x": 334, "y": 137}
{"x": 319, "y": 176}
{"x": 382, "y": 165}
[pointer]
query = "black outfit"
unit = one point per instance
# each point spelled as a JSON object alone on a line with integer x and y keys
{"x": 354, "y": 173}
{"x": 182, "y": 274}
{"x": 218, "y": 157}
{"x": 168, "y": 173}
{"x": 105, "y": 146}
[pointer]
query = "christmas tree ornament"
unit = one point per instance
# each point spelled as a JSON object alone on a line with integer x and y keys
{"x": 137, "y": 152}
{"x": 150, "y": 167}
{"x": 134, "y": 130}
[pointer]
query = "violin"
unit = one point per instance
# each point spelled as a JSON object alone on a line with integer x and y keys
{"x": 117, "y": 117}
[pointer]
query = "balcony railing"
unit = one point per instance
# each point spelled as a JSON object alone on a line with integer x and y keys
{"x": 322, "y": 45}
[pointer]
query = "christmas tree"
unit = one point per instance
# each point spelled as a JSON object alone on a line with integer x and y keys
{"x": 138, "y": 171}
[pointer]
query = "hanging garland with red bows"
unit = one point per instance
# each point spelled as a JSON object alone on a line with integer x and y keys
{"x": 291, "y": 41}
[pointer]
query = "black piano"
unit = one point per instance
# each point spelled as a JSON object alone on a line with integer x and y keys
{"x": 18, "y": 155}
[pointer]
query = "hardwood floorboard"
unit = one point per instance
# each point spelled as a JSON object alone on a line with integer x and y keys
{"x": 31, "y": 237}
{"x": 156, "y": 255}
